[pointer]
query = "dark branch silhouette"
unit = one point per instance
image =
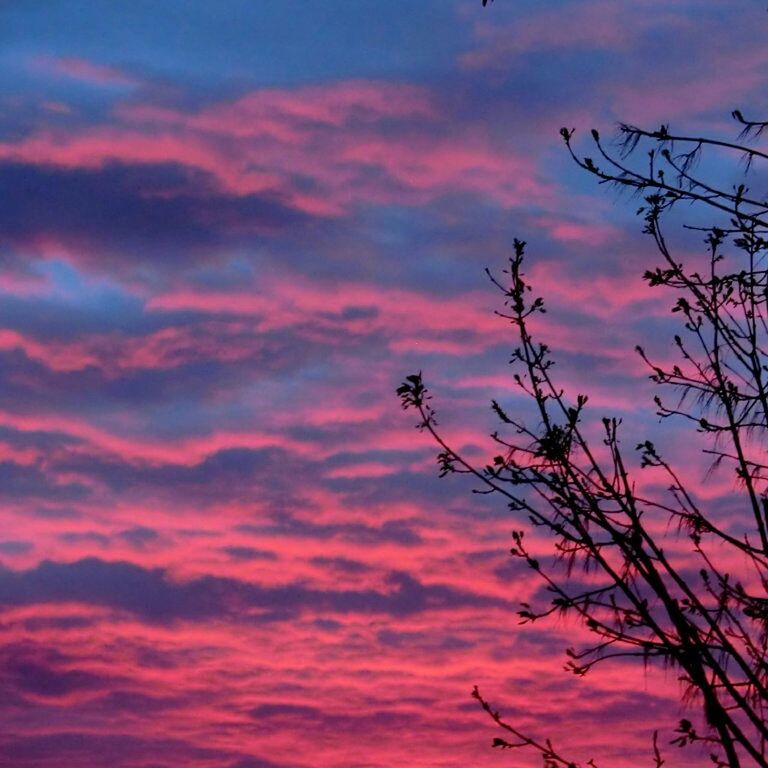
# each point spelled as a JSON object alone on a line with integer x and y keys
{"x": 642, "y": 600}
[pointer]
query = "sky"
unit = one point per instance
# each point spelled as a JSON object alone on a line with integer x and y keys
{"x": 227, "y": 232}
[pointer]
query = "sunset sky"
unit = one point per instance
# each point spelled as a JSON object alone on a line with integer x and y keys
{"x": 227, "y": 231}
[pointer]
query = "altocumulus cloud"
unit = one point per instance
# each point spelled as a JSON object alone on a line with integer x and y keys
{"x": 154, "y": 596}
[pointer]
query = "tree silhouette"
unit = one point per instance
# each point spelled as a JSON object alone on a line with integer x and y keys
{"x": 699, "y": 606}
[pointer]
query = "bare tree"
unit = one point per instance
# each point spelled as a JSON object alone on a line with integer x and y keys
{"x": 641, "y": 599}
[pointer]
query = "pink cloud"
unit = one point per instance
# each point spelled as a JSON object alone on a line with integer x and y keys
{"x": 145, "y": 450}
{"x": 594, "y": 24}
{"x": 564, "y": 230}
{"x": 646, "y": 88}
{"x": 295, "y": 302}
{"x": 357, "y": 142}
{"x": 293, "y": 116}
{"x": 714, "y": 86}
{"x": 86, "y": 71}
{"x": 116, "y": 354}
{"x": 601, "y": 295}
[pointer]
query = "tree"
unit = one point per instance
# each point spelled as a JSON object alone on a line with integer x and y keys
{"x": 641, "y": 600}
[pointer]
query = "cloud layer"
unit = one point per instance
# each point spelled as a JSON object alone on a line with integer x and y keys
{"x": 221, "y": 542}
